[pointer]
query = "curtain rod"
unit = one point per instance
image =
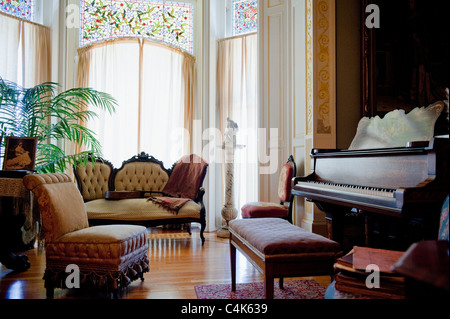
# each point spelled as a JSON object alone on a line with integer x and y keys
{"x": 140, "y": 40}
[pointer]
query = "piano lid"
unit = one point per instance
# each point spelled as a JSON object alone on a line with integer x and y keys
{"x": 384, "y": 168}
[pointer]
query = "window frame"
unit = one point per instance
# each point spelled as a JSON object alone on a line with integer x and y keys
{"x": 142, "y": 26}
{"x": 30, "y": 16}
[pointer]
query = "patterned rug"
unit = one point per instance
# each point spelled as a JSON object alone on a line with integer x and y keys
{"x": 293, "y": 289}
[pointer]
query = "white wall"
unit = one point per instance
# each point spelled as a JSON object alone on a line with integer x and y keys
{"x": 275, "y": 90}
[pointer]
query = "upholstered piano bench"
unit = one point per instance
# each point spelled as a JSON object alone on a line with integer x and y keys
{"x": 279, "y": 249}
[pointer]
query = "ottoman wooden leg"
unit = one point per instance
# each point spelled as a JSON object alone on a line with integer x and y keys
{"x": 281, "y": 283}
{"x": 233, "y": 266}
{"x": 268, "y": 282}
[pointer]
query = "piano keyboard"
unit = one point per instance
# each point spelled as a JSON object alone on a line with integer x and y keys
{"x": 365, "y": 190}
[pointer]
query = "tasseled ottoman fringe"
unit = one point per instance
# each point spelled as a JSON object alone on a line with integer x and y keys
{"x": 108, "y": 281}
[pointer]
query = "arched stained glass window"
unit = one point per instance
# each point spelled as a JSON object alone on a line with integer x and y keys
{"x": 166, "y": 21}
{"x": 245, "y": 16}
{"x": 19, "y": 8}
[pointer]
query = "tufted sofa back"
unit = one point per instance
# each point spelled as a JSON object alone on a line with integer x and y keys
{"x": 93, "y": 179}
{"x": 141, "y": 176}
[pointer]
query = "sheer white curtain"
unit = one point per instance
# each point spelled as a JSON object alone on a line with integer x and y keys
{"x": 24, "y": 51}
{"x": 237, "y": 91}
{"x": 162, "y": 119}
{"x": 146, "y": 79}
{"x": 36, "y": 58}
{"x": 114, "y": 68}
{"x": 9, "y": 48}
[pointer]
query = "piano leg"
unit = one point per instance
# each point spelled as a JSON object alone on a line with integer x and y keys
{"x": 334, "y": 216}
{"x": 344, "y": 225}
{"x": 335, "y": 226}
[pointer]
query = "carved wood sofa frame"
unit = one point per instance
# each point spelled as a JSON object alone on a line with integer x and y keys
{"x": 98, "y": 180}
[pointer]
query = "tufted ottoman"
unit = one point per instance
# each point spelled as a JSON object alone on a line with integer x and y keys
{"x": 78, "y": 256}
{"x": 279, "y": 249}
{"x": 108, "y": 257}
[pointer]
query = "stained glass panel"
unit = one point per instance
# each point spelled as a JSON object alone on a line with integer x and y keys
{"x": 19, "y": 8}
{"x": 166, "y": 21}
{"x": 245, "y": 16}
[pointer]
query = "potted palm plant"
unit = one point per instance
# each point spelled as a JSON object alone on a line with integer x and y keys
{"x": 54, "y": 119}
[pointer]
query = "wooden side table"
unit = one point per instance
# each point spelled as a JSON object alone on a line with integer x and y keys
{"x": 425, "y": 266}
{"x": 11, "y": 186}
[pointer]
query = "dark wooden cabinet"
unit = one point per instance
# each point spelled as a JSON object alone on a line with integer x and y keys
{"x": 405, "y": 62}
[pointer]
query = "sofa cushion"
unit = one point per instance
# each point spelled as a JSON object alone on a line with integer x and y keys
{"x": 137, "y": 209}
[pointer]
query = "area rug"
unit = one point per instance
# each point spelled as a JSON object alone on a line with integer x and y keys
{"x": 293, "y": 289}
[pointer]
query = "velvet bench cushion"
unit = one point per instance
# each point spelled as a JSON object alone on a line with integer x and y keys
{"x": 275, "y": 236}
{"x": 279, "y": 249}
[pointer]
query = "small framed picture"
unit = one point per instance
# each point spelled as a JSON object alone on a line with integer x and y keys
{"x": 20, "y": 153}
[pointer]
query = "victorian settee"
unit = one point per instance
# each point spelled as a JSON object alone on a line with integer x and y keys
{"x": 142, "y": 191}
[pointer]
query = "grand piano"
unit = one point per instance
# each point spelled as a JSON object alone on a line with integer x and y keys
{"x": 403, "y": 186}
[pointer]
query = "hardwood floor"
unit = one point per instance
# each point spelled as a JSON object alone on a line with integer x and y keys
{"x": 178, "y": 262}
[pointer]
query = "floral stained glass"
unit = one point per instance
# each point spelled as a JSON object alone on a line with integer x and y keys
{"x": 166, "y": 21}
{"x": 245, "y": 16}
{"x": 19, "y": 8}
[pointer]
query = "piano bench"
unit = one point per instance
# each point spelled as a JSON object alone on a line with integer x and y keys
{"x": 279, "y": 249}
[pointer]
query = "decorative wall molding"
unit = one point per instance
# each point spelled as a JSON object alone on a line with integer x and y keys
{"x": 320, "y": 67}
{"x": 324, "y": 122}
{"x": 274, "y": 3}
{"x": 309, "y": 67}
{"x": 320, "y": 88}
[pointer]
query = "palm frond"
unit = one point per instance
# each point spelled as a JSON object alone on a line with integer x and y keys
{"x": 81, "y": 98}
{"x": 44, "y": 112}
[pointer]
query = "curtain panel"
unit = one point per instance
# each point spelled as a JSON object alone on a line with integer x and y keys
{"x": 25, "y": 56}
{"x": 237, "y": 95}
{"x": 154, "y": 86}
{"x": 9, "y": 50}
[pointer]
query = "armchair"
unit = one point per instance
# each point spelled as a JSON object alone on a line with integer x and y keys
{"x": 282, "y": 210}
{"x": 108, "y": 257}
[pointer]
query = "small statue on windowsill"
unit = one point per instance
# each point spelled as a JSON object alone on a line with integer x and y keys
{"x": 230, "y": 134}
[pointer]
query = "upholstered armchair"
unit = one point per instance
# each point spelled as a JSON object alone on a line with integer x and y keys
{"x": 108, "y": 257}
{"x": 284, "y": 208}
